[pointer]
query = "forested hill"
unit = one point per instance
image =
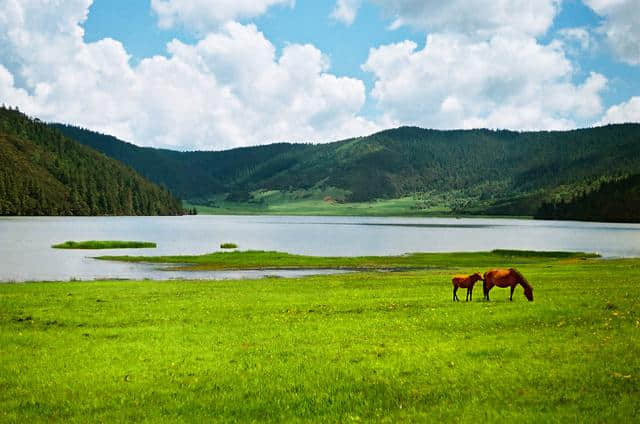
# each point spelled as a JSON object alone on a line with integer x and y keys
{"x": 187, "y": 174}
{"x": 613, "y": 201}
{"x": 471, "y": 171}
{"x": 43, "y": 172}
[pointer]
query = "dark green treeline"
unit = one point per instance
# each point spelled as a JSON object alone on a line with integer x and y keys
{"x": 613, "y": 201}
{"x": 42, "y": 172}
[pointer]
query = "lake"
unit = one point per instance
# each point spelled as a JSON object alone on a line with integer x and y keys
{"x": 26, "y": 253}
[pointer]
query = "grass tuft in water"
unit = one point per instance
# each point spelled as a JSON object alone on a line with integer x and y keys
{"x": 544, "y": 254}
{"x": 104, "y": 244}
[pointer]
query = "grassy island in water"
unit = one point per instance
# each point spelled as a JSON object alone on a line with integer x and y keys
{"x": 104, "y": 244}
{"x": 253, "y": 259}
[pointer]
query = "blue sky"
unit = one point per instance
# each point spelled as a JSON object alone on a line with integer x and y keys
{"x": 198, "y": 74}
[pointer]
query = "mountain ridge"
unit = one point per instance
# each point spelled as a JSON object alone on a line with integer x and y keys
{"x": 469, "y": 171}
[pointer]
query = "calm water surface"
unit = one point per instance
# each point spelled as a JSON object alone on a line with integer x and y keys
{"x": 26, "y": 253}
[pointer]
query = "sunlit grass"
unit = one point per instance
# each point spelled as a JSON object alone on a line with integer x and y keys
{"x": 373, "y": 346}
{"x": 364, "y": 346}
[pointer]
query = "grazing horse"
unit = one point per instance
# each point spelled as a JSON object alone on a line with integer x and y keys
{"x": 506, "y": 278}
{"x": 465, "y": 282}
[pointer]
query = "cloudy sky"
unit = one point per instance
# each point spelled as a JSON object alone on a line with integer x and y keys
{"x": 215, "y": 74}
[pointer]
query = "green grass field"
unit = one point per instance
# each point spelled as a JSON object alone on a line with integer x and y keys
{"x": 367, "y": 346}
{"x": 328, "y": 202}
{"x": 104, "y": 244}
{"x": 332, "y": 202}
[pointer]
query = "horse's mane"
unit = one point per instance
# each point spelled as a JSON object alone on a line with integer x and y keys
{"x": 523, "y": 280}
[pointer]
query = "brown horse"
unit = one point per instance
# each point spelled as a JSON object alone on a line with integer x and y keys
{"x": 465, "y": 282}
{"x": 506, "y": 278}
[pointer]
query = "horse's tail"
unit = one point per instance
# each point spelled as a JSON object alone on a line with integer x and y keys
{"x": 523, "y": 280}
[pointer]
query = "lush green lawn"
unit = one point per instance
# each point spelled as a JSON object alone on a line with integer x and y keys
{"x": 373, "y": 346}
{"x": 104, "y": 244}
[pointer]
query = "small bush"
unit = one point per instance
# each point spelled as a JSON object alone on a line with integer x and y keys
{"x": 228, "y": 246}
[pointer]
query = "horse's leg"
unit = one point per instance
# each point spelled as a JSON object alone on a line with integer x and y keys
{"x": 512, "y": 289}
{"x": 471, "y": 293}
{"x": 466, "y": 299}
{"x": 488, "y": 290}
{"x": 455, "y": 296}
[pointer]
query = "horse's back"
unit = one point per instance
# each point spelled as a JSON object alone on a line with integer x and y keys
{"x": 458, "y": 279}
{"x": 461, "y": 281}
{"x": 499, "y": 276}
{"x": 490, "y": 275}
{"x": 464, "y": 281}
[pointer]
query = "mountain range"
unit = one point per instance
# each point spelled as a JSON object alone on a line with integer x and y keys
{"x": 587, "y": 174}
{"x": 479, "y": 171}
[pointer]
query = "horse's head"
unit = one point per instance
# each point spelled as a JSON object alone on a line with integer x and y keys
{"x": 528, "y": 292}
{"x": 477, "y": 277}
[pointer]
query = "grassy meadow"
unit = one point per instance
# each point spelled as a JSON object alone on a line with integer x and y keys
{"x": 365, "y": 346}
{"x": 325, "y": 202}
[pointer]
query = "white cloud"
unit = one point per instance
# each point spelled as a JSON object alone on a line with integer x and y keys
{"x": 621, "y": 27}
{"x": 625, "y": 112}
{"x": 576, "y": 39}
{"x": 229, "y": 89}
{"x": 205, "y": 15}
{"x": 345, "y": 11}
{"x": 232, "y": 88}
{"x": 504, "y": 82}
{"x": 8, "y": 91}
{"x": 471, "y": 17}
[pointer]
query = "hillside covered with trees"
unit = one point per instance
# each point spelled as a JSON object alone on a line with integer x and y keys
{"x": 188, "y": 175}
{"x": 613, "y": 201}
{"x": 469, "y": 171}
{"x": 43, "y": 172}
